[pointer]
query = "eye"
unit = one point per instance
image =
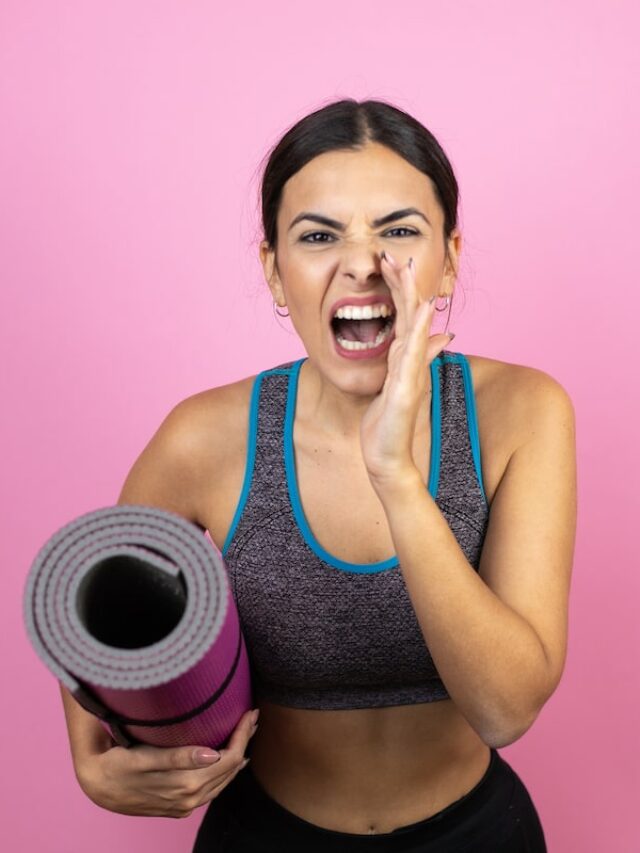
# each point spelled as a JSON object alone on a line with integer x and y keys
{"x": 409, "y": 231}
{"x": 306, "y": 237}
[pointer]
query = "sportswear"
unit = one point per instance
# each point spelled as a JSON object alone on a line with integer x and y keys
{"x": 323, "y": 632}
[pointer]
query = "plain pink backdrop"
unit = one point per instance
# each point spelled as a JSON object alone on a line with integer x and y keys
{"x": 132, "y": 136}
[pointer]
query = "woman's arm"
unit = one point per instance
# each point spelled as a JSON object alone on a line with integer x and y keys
{"x": 145, "y": 780}
{"x": 160, "y": 477}
{"x": 87, "y": 736}
{"x": 498, "y": 637}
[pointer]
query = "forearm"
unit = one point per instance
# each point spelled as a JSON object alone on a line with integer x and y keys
{"x": 86, "y": 734}
{"x": 489, "y": 657}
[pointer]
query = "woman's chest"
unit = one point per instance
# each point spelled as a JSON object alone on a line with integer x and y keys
{"x": 336, "y": 507}
{"x": 330, "y": 485}
{"x": 340, "y": 506}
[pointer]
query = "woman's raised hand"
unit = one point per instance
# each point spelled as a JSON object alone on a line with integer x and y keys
{"x": 387, "y": 427}
{"x": 159, "y": 782}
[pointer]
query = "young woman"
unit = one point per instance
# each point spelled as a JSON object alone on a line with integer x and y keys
{"x": 398, "y": 524}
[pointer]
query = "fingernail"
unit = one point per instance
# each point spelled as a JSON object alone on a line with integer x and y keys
{"x": 431, "y": 299}
{"x": 390, "y": 258}
{"x": 411, "y": 265}
{"x": 255, "y": 715}
{"x": 244, "y": 763}
{"x": 206, "y": 756}
{"x": 451, "y": 336}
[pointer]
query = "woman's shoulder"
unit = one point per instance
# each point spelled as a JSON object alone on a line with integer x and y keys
{"x": 513, "y": 382}
{"x": 213, "y": 419}
{"x": 197, "y": 452}
{"x": 511, "y": 398}
{"x": 221, "y": 407}
{"x": 193, "y": 447}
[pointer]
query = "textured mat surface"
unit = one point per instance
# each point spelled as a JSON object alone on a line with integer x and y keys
{"x": 130, "y": 607}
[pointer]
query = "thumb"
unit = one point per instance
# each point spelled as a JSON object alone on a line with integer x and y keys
{"x": 188, "y": 757}
{"x": 176, "y": 758}
{"x": 237, "y": 742}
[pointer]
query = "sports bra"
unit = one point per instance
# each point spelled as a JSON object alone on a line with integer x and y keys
{"x": 322, "y": 632}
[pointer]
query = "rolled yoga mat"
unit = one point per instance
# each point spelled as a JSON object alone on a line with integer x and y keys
{"x": 131, "y": 608}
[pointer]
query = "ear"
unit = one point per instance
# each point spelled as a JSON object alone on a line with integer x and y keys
{"x": 268, "y": 261}
{"x": 454, "y": 245}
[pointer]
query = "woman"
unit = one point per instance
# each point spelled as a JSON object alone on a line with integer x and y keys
{"x": 397, "y": 520}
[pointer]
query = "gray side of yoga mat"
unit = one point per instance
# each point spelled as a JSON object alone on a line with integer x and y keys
{"x": 162, "y": 550}
{"x": 71, "y": 553}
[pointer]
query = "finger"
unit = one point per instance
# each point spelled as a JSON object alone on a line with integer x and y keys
{"x": 404, "y": 293}
{"x": 390, "y": 274}
{"x": 415, "y": 352}
{"x": 419, "y": 331}
{"x": 422, "y": 323}
{"x": 232, "y": 756}
{"x": 423, "y": 348}
{"x": 241, "y": 736}
{"x": 152, "y": 758}
{"x": 423, "y": 343}
{"x": 443, "y": 340}
{"x": 412, "y": 297}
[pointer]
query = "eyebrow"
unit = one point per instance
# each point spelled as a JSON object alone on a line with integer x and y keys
{"x": 339, "y": 226}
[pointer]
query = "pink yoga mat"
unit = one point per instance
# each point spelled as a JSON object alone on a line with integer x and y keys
{"x": 131, "y": 608}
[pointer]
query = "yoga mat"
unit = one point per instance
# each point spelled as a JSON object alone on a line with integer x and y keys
{"x": 131, "y": 608}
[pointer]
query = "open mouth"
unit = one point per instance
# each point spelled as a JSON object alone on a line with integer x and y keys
{"x": 362, "y": 334}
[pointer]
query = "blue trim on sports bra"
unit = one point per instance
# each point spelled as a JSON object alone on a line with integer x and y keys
{"x": 472, "y": 421}
{"x": 251, "y": 456}
{"x": 436, "y": 428}
{"x": 434, "y": 462}
{"x": 292, "y": 483}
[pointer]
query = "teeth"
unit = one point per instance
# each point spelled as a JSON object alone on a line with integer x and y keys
{"x": 360, "y": 345}
{"x": 363, "y": 312}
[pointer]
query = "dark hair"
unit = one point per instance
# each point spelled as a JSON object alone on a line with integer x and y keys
{"x": 349, "y": 125}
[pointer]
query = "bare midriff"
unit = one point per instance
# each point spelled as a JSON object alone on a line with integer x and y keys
{"x": 366, "y": 771}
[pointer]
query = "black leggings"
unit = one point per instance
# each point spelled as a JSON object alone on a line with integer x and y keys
{"x": 496, "y": 816}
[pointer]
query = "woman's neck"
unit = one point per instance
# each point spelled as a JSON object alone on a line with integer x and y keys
{"x": 323, "y": 406}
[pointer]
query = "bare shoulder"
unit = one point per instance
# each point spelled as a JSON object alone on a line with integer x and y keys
{"x": 214, "y": 425}
{"x": 515, "y": 392}
{"x": 197, "y": 444}
{"x": 513, "y": 403}
{"x": 213, "y": 420}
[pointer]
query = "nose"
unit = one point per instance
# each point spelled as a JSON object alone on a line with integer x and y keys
{"x": 362, "y": 263}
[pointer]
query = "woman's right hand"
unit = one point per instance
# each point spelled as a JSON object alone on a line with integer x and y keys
{"x": 163, "y": 782}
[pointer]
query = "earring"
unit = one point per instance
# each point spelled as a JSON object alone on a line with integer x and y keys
{"x": 275, "y": 308}
{"x": 444, "y": 307}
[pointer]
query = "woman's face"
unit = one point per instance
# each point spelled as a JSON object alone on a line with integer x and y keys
{"x": 319, "y": 263}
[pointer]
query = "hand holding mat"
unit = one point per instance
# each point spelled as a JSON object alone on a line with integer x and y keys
{"x": 130, "y": 607}
{"x": 152, "y": 781}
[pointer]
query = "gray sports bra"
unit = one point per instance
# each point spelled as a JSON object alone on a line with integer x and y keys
{"x": 322, "y": 632}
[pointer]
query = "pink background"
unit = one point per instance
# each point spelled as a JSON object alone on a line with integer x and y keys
{"x": 129, "y": 157}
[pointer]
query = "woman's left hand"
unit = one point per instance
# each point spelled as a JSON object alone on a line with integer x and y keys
{"x": 387, "y": 427}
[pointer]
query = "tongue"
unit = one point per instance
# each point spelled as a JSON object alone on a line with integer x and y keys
{"x": 364, "y": 331}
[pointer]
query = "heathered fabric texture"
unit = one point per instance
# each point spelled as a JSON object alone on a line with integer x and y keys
{"x": 321, "y": 632}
